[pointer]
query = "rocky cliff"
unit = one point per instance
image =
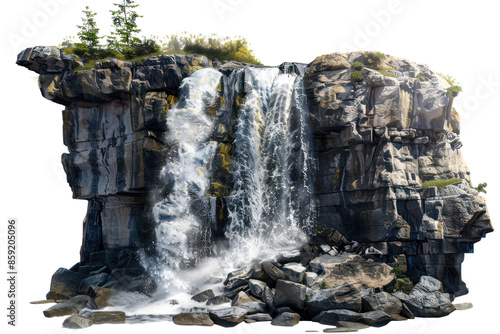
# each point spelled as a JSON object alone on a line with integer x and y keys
{"x": 375, "y": 142}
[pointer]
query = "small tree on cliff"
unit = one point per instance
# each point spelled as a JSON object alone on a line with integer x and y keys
{"x": 124, "y": 20}
{"x": 88, "y": 34}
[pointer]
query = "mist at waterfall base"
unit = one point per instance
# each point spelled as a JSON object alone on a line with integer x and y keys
{"x": 271, "y": 208}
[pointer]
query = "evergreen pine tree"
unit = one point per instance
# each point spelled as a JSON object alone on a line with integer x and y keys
{"x": 124, "y": 22}
{"x": 88, "y": 34}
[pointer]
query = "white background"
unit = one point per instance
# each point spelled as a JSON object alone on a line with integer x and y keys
{"x": 455, "y": 37}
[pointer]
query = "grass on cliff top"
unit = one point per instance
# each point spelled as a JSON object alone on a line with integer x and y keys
{"x": 440, "y": 183}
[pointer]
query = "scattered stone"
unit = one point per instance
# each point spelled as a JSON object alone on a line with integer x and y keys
{"x": 375, "y": 317}
{"x": 77, "y": 322}
{"x": 198, "y": 319}
{"x": 101, "y": 296}
{"x": 203, "y": 296}
{"x": 218, "y": 300}
{"x": 250, "y": 321}
{"x": 240, "y": 299}
{"x": 294, "y": 272}
{"x": 463, "y": 306}
{"x": 256, "y": 287}
{"x": 243, "y": 272}
{"x": 228, "y": 317}
{"x": 339, "y": 330}
{"x": 254, "y": 307}
{"x": 290, "y": 294}
{"x": 272, "y": 271}
{"x": 114, "y": 317}
{"x": 286, "y": 319}
{"x": 45, "y": 301}
{"x": 346, "y": 296}
{"x": 268, "y": 298}
{"x": 353, "y": 325}
{"x": 332, "y": 317}
{"x": 60, "y": 310}
{"x": 382, "y": 301}
{"x": 259, "y": 317}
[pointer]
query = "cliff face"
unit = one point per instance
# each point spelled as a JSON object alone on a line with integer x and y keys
{"x": 376, "y": 142}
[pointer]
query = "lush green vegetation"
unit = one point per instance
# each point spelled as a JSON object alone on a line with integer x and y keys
{"x": 481, "y": 187}
{"x": 357, "y": 65}
{"x": 356, "y": 76}
{"x": 323, "y": 285}
{"x": 124, "y": 44}
{"x": 440, "y": 183}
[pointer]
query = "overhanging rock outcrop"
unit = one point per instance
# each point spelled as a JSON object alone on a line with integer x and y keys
{"x": 377, "y": 141}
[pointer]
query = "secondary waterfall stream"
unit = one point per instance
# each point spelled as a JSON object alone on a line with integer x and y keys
{"x": 271, "y": 207}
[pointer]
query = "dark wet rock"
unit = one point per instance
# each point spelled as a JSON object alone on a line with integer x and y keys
{"x": 382, "y": 301}
{"x": 268, "y": 298}
{"x": 256, "y": 287}
{"x": 198, "y": 319}
{"x": 203, "y": 296}
{"x": 273, "y": 271}
{"x": 346, "y": 296}
{"x": 228, "y": 317}
{"x": 374, "y": 318}
{"x": 259, "y": 317}
{"x": 76, "y": 322}
{"x": 96, "y": 280}
{"x": 405, "y": 312}
{"x": 254, "y": 307}
{"x": 290, "y": 294}
{"x": 286, "y": 319}
{"x": 64, "y": 283}
{"x": 233, "y": 293}
{"x": 218, "y": 300}
{"x": 332, "y": 317}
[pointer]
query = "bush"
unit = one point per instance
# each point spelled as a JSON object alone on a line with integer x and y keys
{"x": 356, "y": 76}
{"x": 440, "y": 183}
{"x": 357, "y": 65}
{"x": 481, "y": 187}
{"x": 146, "y": 47}
{"x": 323, "y": 285}
{"x": 453, "y": 91}
{"x": 374, "y": 58}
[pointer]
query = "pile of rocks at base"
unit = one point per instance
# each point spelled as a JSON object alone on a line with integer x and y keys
{"x": 322, "y": 284}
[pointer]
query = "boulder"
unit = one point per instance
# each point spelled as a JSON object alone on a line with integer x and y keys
{"x": 286, "y": 319}
{"x": 101, "y": 296}
{"x": 373, "y": 318}
{"x": 64, "y": 283}
{"x": 254, "y": 307}
{"x": 240, "y": 299}
{"x": 294, "y": 272}
{"x": 61, "y": 309}
{"x": 332, "y": 317}
{"x": 256, "y": 287}
{"x": 345, "y": 296}
{"x": 110, "y": 317}
{"x": 382, "y": 301}
{"x": 96, "y": 280}
{"x": 268, "y": 298}
{"x": 259, "y": 317}
{"x": 76, "y": 322}
{"x": 290, "y": 294}
{"x": 228, "y": 317}
{"x": 198, "y": 319}
{"x": 218, "y": 300}
{"x": 272, "y": 271}
{"x": 353, "y": 269}
{"x": 203, "y": 296}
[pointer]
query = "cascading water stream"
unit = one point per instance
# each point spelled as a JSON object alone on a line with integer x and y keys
{"x": 178, "y": 227}
{"x": 271, "y": 207}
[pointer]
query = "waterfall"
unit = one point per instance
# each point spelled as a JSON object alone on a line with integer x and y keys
{"x": 178, "y": 227}
{"x": 272, "y": 206}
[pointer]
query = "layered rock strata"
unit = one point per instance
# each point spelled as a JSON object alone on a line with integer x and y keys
{"x": 377, "y": 141}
